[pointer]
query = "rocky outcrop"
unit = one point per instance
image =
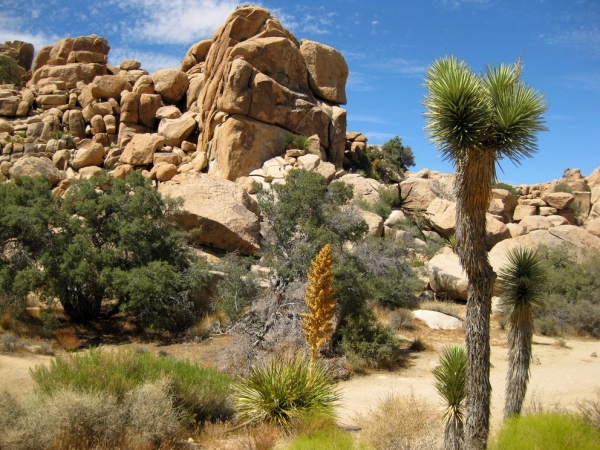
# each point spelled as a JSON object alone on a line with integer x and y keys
{"x": 215, "y": 212}
{"x": 257, "y": 77}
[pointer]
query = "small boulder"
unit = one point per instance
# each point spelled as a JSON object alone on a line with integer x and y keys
{"x": 171, "y": 84}
{"x": 30, "y": 166}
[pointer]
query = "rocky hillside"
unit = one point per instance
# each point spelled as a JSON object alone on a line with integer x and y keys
{"x": 246, "y": 106}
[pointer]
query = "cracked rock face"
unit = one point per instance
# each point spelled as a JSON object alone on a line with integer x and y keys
{"x": 258, "y": 76}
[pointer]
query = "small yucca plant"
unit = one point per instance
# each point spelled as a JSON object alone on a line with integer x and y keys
{"x": 451, "y": 383}
{"x": 522, "y": 281}
{"x": 318, "y": 323}
{"x": 280, "y": 390}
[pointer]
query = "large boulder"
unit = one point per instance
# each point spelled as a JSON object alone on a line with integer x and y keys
{"x": 363, "y": 188}
{"x": 419, "y": 191}
{"x": 176, "y": 131}
{"x": 573, "y": 238}
{"x": 437, "y": 320}
{"x": 90, "y": 153}
{"x": 327, "y": 71}
{"x": 140, "y": 150}
{"x": 241, "y": 145}
{"x": 215, "y": 212}
{"x": 574, "y": 179}
{"x": 558, "y": 200}
{"x": 447, "y": 276}
{"x": 109, "y": 86}
{"x": 30, "y": 166}
{"x": 171, "y": 84}
{"x": 374, "y": 222}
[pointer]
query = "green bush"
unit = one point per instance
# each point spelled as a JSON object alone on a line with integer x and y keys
{"x": 202, "y": 392}
{"x": 303, "y": 216}
{"x": 382, "y": 206}
{"x": 571, "y": 295}
{"x": 389, "y": 160}
{"x": 281, "y": 390}
{"x": 548, "y": 431}
{"x": 508, "y": 187}
{"x": 563, "y": 187}
{"x": 237, "y": 288}
{"x": 369, "y": 343}
{"x": 9, "y": 71}
{"x": 107, "y": 239}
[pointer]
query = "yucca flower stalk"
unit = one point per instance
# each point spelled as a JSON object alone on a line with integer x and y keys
{"x": 451, "y": 383}
{"x": 318, "y": 323}
{"x": 522, "y": 280}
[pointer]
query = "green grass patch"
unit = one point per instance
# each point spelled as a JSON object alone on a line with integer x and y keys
{"x": 202, "y": 392}
{"x": 326, "y": 439}
{"x": 548, "y": 431}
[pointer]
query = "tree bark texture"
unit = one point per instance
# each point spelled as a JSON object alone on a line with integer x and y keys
{"x": 475, "y": 173}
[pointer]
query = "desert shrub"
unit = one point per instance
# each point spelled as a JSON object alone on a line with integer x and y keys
{"x": 391, "y": 159}
{"x": 363, "y": 337}
{"x": 377, "y": 269}
{"x": 402, "y": 319}
{"x": 382, "y": 206}
{"x": 69, "y": 419}
{"x": 402, "y": 423}
{"x": 304, "y": 215}
{"x": 284, "y": 387}
{"x": 571, "y": 295}
{"x": 260, "y": 437}
{"x": 9, "y": 342}
{"x": 563, "y": 187}
{"x": 106, "y": 239}
{"x": 237, "y": 288}
{"x": 590, "y": 410}
{"x": 549, "y": 431}
{"x": 508, "y": 187}
{"x": 9, "y": 71}
{"x": 202, "y": 392}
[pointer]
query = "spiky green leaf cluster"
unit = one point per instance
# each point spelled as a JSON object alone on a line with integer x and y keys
{"x": 279, "y": 390}
{"x": 521, "y": 279}
{"x": 494, "y": 111}
{"x": 451, "y": 378}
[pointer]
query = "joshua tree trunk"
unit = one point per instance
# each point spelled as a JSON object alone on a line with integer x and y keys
{"x": 519, "y": 357}
{"x": 454, "y": 434}
{"x": 475, "y": 172}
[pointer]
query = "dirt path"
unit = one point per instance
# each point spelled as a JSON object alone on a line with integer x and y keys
{"x": 14, "y": 369}
{"x": 559, "y": 376}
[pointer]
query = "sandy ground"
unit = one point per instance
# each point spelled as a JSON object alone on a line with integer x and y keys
{"x": 560, "y": 374}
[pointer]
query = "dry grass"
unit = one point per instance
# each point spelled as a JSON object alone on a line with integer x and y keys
{"x": 590, "y": 410}
{"x": 419, "y": 345}
{"x": 450, "y": 308}
{"x": 10, "y": 343}
{"x": 70, "y": 420}
{"x": 402, "y": 423}
{"x": 68, "y": 340}
{"x": 401, "y": 319}
{"x": 262, "y": 437}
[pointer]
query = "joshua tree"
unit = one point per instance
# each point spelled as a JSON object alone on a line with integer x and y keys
{"x": 450, "y": 382}
{"x": 521, "y": 279}
{"x": 476, "y": 120}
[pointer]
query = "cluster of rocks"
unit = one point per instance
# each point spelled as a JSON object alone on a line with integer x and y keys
{"x": 536, "y": 215}
{"x": 231, "y": 106}
{"x": 207, "y": 131}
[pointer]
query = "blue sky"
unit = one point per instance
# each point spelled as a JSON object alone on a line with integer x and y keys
{"x": 387, "y": 45}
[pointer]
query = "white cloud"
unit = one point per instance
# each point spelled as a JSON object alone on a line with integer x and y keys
{"x": 12, "y": 29}
{"x": 150, "y": 61}
{"x": 175, "y": 21}
{"x": 582, "y": 39}
{"x": 375, "y": 22}
{"x": 357, "y": 81}
{"x": 400, "y": 65}
{"x": 369, "y": 119}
